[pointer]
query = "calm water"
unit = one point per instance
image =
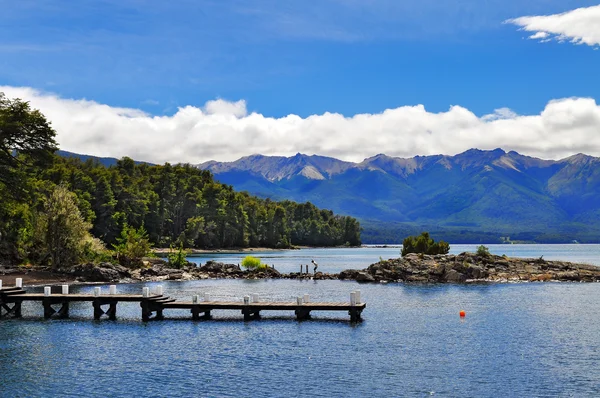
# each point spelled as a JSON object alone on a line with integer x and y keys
{"x": 517, "y": 340}
{"x": 336, "y": 260}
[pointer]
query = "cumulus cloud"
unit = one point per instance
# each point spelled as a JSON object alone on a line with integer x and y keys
{"x": 580, "y": 26}
{"x": 225, "y": 131}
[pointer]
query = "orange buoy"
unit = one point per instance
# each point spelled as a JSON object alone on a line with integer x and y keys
{"x": 462, "y": 313}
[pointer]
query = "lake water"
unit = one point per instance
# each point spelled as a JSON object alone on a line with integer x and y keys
{"x": 339, "y": 259}
{"x": 517, "y": 340}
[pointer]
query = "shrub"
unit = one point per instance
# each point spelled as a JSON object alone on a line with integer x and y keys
{"x": 178, "y": 259}
{"x": 483, "y": 251}
{"x": 132, "y": 245}
{"x": 62, "y": 230}
{"x": 253, "y": 263}
{"x": 423, "y": 244}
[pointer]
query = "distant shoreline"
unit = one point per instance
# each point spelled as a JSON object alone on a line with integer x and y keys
{"x": 164, "y": 251}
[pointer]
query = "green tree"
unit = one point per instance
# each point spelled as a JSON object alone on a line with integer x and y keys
{"x": 483, "y": 251}
{"x": 178, "y": 258}
{"x": 65, "y": 232}
{"x": 26, "y": 141}
{"x": 132, "y": 245}
{"x": 424, "y": 244}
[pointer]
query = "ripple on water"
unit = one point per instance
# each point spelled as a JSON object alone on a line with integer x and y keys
{"x": 517, "y": 340}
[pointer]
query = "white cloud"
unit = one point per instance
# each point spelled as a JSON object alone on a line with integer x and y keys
{"x": 225, "y": 131}
{"x": 580, "y": 26}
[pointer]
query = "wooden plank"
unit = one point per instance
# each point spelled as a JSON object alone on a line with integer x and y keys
{"x": 272, "y": 306}
{"x": 10, "y": 289}
{"x": 80, "y": 297}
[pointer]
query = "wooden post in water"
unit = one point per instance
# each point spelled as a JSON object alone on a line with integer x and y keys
{"x": 306, "y": 269}
{"x": 354, "y": 311}
{"x": 98, "y": 312}
{"x": 301, "y": 311}
{"x": 246, "y": 309}
{"x": 301, "y": 269}
{"x": 112, "y": 290}
{"x": 112, "y": 310}
{"x": 145, "y": 308}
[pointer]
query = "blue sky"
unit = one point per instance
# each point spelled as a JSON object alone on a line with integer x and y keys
{"x": 218, "y": 79}
{"x": 301, "y": 57}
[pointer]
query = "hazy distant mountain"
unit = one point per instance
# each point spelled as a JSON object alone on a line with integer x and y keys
{"x": 490, "y": 191}
{"x": 104, "y": 161}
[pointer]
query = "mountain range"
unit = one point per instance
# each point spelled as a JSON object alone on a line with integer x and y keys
{"x": 473, "y": 196}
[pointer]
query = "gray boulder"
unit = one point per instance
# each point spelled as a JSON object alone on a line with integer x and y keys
{"x": 364, "y": 277}
{"x": 103, "y": 272}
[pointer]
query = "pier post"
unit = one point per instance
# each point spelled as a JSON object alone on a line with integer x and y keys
{"x": 98, "y": 312}
{"x": 159, "y": 314}
{"x": 301, "y": 269}
{"x": 17, "y": 309}
{"x": 355, "y": 314}
{"x": 19, "y": 282}
{"x": 112, "y": 311}
{"x": 65, "y": 289}
{"x": 63, "y": 313}
{"x": 48, "y": 310}
{"x": 145, "y": 309}
{"x": 301, "y": 311}
{"x": 306, "y": 269}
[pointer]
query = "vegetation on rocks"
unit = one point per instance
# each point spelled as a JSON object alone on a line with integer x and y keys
{"x": 466, "y": 267}
{"x": 178, "y": 258}
{"x": 253, "y": 263}
{"x": 423, "y": 244}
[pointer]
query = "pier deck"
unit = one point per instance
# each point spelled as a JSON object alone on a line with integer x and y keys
{"x": 153, "y": 305}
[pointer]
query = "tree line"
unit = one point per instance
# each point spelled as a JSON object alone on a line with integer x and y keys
{"x": 44, "y": 196}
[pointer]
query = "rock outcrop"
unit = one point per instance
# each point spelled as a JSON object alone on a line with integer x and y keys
{"x": 469, "y": 267}
{"x": 103, "y": 272}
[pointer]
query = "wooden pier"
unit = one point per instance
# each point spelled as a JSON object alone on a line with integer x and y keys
{"x": 153, "y": 305}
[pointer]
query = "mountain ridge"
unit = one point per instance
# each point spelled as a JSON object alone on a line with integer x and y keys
{"x": 486, "y": 190}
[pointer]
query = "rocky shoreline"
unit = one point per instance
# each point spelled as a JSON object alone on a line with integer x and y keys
{"x": 470, "y": 267}
{"x": 413, "y": 268}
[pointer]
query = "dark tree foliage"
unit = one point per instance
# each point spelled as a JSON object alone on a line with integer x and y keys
{"x": 182, "y": 205}
{"x": 26, "y": 141}
{"x": 424, "y": 244}
{"x": 26, "y": 145}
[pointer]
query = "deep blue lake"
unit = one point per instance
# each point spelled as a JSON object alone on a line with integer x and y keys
{"x": 517, "y": 340}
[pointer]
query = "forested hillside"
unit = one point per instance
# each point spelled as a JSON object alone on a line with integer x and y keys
{"x": 183, "y": 204}
{"x": 49, "y": 203}
{"x": 468, "y": 197}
